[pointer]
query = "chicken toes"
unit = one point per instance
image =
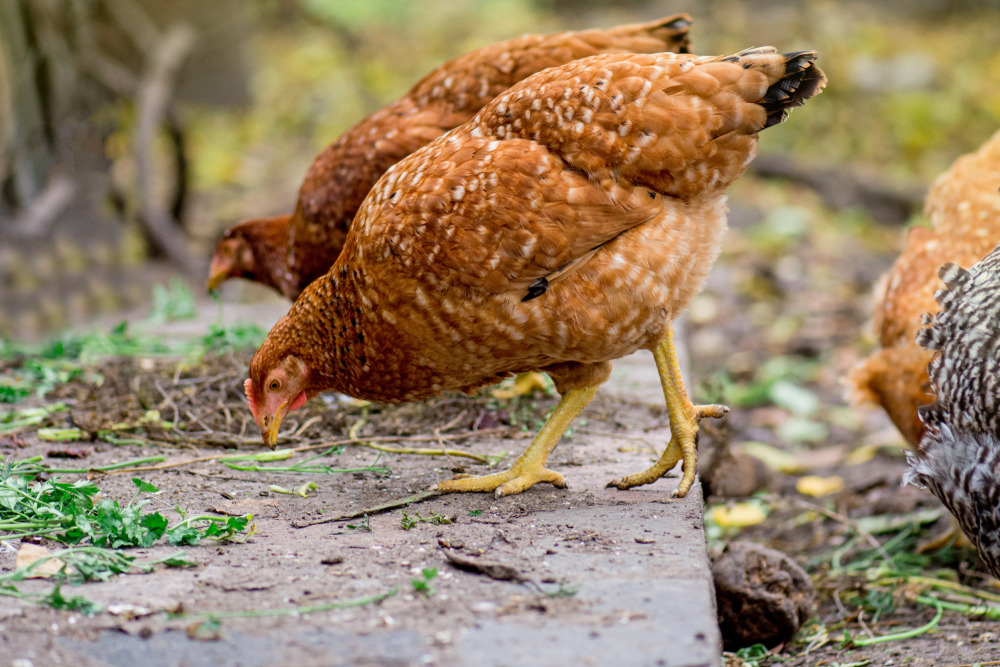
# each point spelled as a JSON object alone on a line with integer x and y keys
{"x": 684, "y": 418}
{"x": 530, "y": 468}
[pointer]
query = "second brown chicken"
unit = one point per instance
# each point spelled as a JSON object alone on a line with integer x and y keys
{"x": 288, "y": 252}
{"x": 563, "y": 227}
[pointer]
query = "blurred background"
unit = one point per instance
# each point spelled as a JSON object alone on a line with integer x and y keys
{"x": 132, "y": 132}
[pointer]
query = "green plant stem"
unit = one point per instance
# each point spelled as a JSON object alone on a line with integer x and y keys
{"x": 300, "y": 468}
{"x": 203, "y": 517}
{"x": 909, "y": 634}
{"x": 940, "y": 583}
{"x": 982, "y": 610}
{"x": 107, "y": 468}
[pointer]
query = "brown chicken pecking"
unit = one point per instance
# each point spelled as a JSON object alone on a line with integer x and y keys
{"x": 563, "y": 227}
{"x": 289, "y": 252}
{"x": 964, "y": 207}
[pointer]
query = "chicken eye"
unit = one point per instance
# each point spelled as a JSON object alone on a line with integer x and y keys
{"x": 274, "y": 385}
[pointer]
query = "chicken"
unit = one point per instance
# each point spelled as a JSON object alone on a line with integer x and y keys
{"x": 959, "y": 454}
{"x": 563, "y": 227}
{"x": 964, "y": 209}
{"x": 289, "y": 252}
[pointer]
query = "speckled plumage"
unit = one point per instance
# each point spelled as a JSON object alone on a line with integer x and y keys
{"x": 959, "y": 455}
{"x": 964, "y": 208}
{"x": 341, "y": 176}
{"x": 626, "y": 154}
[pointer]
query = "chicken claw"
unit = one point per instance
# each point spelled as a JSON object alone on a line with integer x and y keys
{"x": 530, "y": 468}
{"x": 684, "y": 418}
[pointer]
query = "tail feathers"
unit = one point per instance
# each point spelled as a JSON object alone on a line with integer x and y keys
{"x": 802, "y": 80}
{"x": 676, "y": 30}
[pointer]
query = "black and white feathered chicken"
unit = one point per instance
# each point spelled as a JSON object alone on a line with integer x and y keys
{"x": 959, "y": 455}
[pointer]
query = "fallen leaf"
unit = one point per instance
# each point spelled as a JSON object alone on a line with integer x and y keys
{"x": 794, "y": 398}
{"x": 738, "y": 515}
{"x": 69, "y": 453}
{"x": 862, "y": 454}
{"x": 128, "y": 610}
{"x": 800, "y": 429}
{"x": 774, "y": 458}
{"x": 493, "y": 570}
{"x": 825, "y": 457}
{"x": 816, "y": 486}
{"x": 525, "y": 385}
{"x": 887, "y": 523}
{"x": 30, "y": 553}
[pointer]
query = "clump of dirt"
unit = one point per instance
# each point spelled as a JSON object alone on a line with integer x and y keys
{"x": 764, "y": 596}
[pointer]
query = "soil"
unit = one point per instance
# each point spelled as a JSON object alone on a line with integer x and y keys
{"x": 281, "y": 566}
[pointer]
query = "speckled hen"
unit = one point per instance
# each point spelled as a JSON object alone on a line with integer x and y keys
{"x": 289, "y": 252}
{"x": 964, "y": 208}
{"x": 959, "y": 455}
{"x": 563, "y": 227}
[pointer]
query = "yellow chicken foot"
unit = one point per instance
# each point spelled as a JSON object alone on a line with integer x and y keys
{"x": 684, "y": 418}
{"x": 530, "y": 468}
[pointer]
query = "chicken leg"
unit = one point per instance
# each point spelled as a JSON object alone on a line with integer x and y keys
{"x": 530, "y": 468}
{"x": 684, "y": 418}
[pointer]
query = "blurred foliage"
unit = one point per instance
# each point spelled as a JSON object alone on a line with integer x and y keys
{"x": 909, "y": 91}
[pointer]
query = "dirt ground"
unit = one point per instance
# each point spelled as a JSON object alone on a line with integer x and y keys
{"x": 283, "y": 566}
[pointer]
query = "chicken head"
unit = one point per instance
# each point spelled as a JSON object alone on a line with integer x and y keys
{"x": 284, "y": 388}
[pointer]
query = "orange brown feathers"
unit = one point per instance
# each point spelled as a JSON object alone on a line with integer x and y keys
{"x": 341, "y": 176}
{"x": 617, "y": 163}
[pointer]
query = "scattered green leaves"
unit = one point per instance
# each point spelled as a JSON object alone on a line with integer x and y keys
{"x": 752, "y": 655}
{"x": 16, "y": 421}
{"x": 172, "y": 303}
{"x": 422, "y": 584}
{"x": 363, "y": 526}
{"x": 82, "y": 564}
{"x": 73, "y": 513}
{"x": 407, "y": 522}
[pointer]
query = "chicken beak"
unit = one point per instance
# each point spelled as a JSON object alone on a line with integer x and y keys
{"x": 271, "y": 434}
{"x": 218, "y": 272}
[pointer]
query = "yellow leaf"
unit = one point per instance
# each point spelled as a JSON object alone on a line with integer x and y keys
{"x": 774, "y": 458}
{"x": 738, "y": 515}
{"x": 815, "y": 486}
{"x": 525, "y": 384}
{"x": 862, "y": 454}
{"x": 30, "y": 553}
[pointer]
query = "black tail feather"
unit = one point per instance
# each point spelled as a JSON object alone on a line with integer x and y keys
{"x": 802, "y": 80}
